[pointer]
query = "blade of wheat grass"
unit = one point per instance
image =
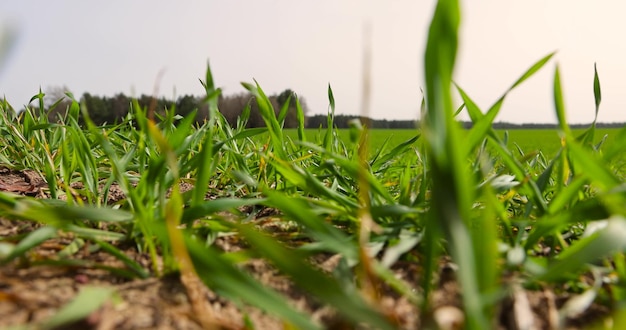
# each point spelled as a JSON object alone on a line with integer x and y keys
{"x": 88, "y": 300}
{"x": 219, "y": 274}
{"x": 348, "y": 302}
{"x": 452, "y": 190}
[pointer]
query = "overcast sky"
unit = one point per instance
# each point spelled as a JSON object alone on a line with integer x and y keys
{"x": 114, "y": 46}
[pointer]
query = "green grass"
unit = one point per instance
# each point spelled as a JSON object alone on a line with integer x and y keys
{"x": 490, "y": 201}
{"x": 377, "y": 136}
{"x": 545, "y": 140}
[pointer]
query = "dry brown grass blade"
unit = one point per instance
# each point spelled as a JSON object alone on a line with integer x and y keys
{"x": 368, "y": 281}
{"x": 196, "y": 290}
{"x": 203, "y": 312}
{"x": 522, "y": 311}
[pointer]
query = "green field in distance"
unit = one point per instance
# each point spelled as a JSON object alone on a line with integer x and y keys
{"x": 528, "y": 140}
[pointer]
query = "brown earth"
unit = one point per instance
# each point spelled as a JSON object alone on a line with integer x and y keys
{"x": 31, "y": 292}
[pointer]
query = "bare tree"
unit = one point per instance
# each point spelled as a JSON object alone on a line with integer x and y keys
{"x": 56, "y": 102}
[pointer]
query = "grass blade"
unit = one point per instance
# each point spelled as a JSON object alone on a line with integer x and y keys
{"x": 602, "y": 243}
{"x": 597, "y": 92}
{"x": 88, "y": 300}
{"x": 218, "y": 273}
{"x": 350, "y": 303}
{"x": 33, "y": 239}
{"x": 330, "y": 119}
{"x": 532, "y": 70}
{"x": 559, "y": 105}
{"x": 452, "y": 192}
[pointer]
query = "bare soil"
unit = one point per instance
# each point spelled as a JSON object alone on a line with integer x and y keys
{"x": 31, "y": 292}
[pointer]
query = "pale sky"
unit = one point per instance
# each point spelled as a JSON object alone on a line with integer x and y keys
{"x": 107, "y": 47}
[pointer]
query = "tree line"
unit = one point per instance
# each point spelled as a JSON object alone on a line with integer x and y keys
{"x": 111, "y": 109}
{"x": 343, "y": 121}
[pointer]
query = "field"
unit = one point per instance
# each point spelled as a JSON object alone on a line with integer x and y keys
{"x": 160, "y": 222}
{"x": 548, "y": 140}
{"x": 545, "y": 140}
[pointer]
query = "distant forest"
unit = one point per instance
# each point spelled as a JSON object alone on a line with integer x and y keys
{"x": 109, "y": 110}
